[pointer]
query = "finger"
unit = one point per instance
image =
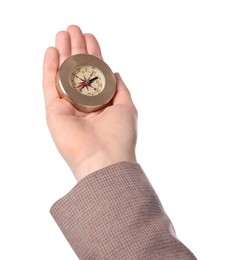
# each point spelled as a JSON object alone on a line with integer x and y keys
{"x": 50, "y": 67}
{"x": 123, "y": 95}
{"x": 77, "y": 39}
{"x": 62, "y": 43}
{"x": 92, "y": 45}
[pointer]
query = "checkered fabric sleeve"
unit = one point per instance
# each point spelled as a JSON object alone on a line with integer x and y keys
{"x": 114, "y": 213}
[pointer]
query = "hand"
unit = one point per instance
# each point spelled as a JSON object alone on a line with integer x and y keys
{"x": 87, "y": 141}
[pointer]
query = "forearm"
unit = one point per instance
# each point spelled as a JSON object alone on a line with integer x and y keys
{"x": 115, "y": 213}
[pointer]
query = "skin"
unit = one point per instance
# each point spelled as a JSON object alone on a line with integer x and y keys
{"x": 87, "y": 141}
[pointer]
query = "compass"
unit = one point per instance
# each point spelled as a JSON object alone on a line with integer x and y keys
{"x": 86, "y": 81}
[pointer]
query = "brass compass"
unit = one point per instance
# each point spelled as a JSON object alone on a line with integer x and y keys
{"x": 86, "y": 81}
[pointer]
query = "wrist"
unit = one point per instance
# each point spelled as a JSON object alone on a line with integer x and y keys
{"x": 97, "y": 162}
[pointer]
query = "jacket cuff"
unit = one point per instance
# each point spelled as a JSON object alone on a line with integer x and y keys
{"x": 114, "y": 213}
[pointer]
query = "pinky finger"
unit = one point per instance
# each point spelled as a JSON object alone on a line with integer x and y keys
{"x": 50, "y": 68}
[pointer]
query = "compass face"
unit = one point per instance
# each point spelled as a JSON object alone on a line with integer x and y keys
{"x": 88, "y": 80}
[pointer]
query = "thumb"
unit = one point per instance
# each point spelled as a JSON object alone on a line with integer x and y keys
{"x": 123, "y": 95}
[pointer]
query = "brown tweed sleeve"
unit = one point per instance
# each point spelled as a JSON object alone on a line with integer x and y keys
{"x": 114, "y": 213}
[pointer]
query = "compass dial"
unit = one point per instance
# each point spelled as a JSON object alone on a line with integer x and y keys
{"x": 88, "y": 80}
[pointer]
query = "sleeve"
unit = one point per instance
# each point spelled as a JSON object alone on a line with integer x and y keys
{"x": 114, "y": 213}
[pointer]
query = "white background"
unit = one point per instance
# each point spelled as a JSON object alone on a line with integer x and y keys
{"x": 173, "y": 56}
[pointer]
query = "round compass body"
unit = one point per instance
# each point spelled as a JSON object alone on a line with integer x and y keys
{"x": 86, "y": 81}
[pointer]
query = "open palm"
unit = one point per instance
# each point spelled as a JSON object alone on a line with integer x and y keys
{"x": 87, "y": 141}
